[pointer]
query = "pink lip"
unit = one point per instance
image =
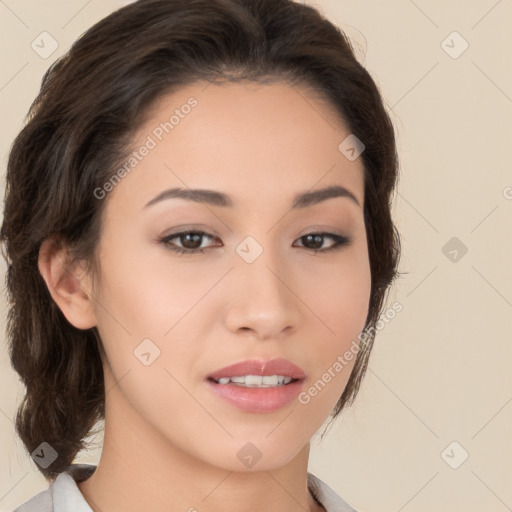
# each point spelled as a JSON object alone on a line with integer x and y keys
{"x": 259, "y": 400}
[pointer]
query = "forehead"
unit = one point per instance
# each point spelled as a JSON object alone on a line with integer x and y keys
{"x": 245, "y": 138}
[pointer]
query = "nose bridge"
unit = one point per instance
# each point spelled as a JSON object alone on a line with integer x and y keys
{"x": 261, "y": 298}
{"x": 258, "y": 265}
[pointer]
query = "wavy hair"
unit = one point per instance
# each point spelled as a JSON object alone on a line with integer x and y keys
{"x": 78, "y": 131}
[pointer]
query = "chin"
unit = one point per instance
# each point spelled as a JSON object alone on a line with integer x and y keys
{"x": 256, "y": 454}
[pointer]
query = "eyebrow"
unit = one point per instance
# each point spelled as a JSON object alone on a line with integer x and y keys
{"x": 215, "y": 198}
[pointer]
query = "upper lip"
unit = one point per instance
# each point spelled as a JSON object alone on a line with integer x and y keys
{"x": 277, "y": 366}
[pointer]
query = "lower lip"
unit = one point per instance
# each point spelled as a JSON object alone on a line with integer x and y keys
{"x": 257, "y": 399}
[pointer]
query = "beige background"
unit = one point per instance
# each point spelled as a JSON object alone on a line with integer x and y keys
{"x": 440, "y": 371}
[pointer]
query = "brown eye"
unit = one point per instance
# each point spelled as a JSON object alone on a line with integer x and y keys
{"x": 315, "y": 241}
{"x": 190, "y": 241}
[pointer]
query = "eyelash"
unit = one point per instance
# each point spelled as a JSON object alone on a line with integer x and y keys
{"x": 340, "y": 241}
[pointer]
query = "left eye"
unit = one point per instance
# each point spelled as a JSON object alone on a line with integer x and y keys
{"x": 191, "y": 241}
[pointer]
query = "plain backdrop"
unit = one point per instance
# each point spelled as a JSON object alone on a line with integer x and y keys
{"x": 430, "y": 429}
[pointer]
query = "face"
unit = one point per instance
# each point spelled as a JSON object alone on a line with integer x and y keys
{"x": 248, "y": 273}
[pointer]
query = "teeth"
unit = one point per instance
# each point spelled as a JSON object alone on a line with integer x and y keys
{"x": 252, "y": 381}
{"x": 272, "y": 380}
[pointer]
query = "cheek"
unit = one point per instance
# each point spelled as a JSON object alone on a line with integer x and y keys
{"x": 142, "y": 322}
{"x": 341, "y": 301}
{"x": 146, "y": 313}
{"x": 143, "y": 293}
{"x": 339, "y": 294}
{"x": 343, "y": 309}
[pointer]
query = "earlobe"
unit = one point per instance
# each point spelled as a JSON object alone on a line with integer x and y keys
{"x": 67, "y": 285}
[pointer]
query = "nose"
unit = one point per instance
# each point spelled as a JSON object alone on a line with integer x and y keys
{"x": 262, "y": 301}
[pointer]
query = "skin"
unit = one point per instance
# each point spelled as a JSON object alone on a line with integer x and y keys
{"x": 170, "y": 444}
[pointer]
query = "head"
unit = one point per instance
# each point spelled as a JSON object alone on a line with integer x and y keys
{"x": 254, "y": 99}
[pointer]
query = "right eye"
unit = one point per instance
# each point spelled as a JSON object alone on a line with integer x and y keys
{"x": 187, "y": 238}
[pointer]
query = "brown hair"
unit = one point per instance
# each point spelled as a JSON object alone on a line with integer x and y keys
{"x": 78, "y": 132}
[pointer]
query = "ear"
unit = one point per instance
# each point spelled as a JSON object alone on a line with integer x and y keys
{"x": 69, "y": 286}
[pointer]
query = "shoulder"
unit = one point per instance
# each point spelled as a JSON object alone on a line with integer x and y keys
{"x": 63, "y": 493}
{"x": 41, "y": 502}
{"x": 328, "y": 498}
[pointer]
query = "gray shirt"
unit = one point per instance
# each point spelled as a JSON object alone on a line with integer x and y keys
{"x": 63, "y": 494}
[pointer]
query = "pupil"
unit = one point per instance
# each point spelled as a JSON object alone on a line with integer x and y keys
{"x": 317, "y": 240}
{"x": 197, "y": 239}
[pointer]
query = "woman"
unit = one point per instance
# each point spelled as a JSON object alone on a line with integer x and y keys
{"x": 198, "y": 235}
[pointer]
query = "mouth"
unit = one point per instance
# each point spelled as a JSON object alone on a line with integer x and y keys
{"x": 256, "y": 381}
{"x": 258, "y": 386}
